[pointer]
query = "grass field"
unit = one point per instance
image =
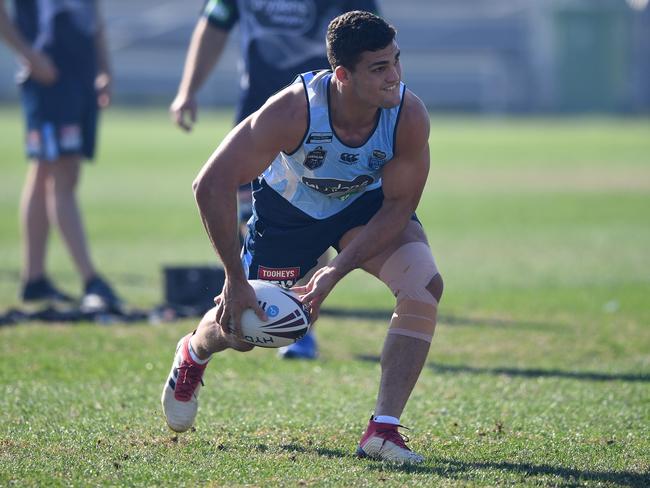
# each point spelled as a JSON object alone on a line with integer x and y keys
{"x": 539, "y": 374}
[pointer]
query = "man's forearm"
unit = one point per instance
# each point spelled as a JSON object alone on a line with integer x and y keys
{"x": 218, "y": 209}
{"x": 11, "y": 36}
{"x": 205, "y": 50}
{"x": 101, "y": 46}
{"x": 385, "y": 226}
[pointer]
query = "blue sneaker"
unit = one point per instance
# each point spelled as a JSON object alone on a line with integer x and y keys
{"x": 305, "y": 348}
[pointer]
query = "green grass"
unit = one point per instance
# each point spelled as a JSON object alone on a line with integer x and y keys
{"x": 539, "y": 374}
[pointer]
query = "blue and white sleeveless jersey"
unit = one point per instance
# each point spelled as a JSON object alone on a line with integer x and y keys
{"x": 323, "y": 176}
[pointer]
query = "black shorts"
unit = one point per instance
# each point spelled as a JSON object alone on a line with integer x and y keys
{"x": 283, "y": 243}
{"x": 61, "y": 119}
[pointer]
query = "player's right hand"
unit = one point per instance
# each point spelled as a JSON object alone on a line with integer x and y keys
{"x": 236, "y": 297}
{"x": 41, "y": 68}
{"x": 183, "y": 111}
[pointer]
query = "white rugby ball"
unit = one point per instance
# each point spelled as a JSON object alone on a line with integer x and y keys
{"x": 288, "y": 320}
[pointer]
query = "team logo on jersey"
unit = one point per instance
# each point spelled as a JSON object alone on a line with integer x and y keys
{"x": 338, "y": 188}
{"x": 286, "y": 277}
{"x": 320, "y": 138}
{"x": 315, "y": 158}
{"x": 349, "y": 158}
{"x": 377, "y": 160}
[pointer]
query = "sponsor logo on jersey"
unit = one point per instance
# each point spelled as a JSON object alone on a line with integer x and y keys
{"x": 315, "y": 158}
{"x": 349, "y": 158}
{"x": 286, "y": 277}
{"x": 319, "y": 138}
{"x": 338, "y": 188}
{"x": 377, "y": 160}
{"x": 70, "y": 137}
{"x": 297, "y": 15}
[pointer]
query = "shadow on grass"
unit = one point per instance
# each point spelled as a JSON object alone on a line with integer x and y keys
{"x": 448, "y": 468}
{"x": 321, "y": 451}
{"x": 529, "y": 372}
{"x": 384, "y": 317}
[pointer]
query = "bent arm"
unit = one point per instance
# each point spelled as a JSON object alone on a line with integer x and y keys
{"x": 242, "y": 156}
{"x": 404, "y": 178}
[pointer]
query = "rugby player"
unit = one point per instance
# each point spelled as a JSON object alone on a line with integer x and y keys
{"x": 343, "y": 157}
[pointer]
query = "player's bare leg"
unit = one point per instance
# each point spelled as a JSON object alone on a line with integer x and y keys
{"x": 210, "y": 338}
{"x": 180, "y": 396}
{"x": 35, "y": 226}
{"x": 407, "y": 343}
{"x": 34, "y": 221}
{"x": 64, "y": 210}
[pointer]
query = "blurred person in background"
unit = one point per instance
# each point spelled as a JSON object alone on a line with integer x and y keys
{"x": 64, "y": 80}
{"x": 278, "y": 40}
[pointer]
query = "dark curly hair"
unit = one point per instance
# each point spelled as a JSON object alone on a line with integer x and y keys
{"x": 352, "y": 33}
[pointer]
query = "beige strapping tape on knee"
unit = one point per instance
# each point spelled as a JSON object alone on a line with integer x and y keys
{"x": 414, "y": 319}
{"x": 407, "y": 272}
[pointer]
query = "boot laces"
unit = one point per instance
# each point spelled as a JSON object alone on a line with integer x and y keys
{"x": 189, "y": 377}
{"x": 395, "y": 436}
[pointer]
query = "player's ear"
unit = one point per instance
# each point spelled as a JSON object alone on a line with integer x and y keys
{"x": 342, "y": 75}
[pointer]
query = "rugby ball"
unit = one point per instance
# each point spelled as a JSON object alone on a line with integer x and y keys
{"x": 288, "y": 320}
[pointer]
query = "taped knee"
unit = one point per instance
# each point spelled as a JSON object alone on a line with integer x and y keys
{"x": 414, "y": 319}
{"x": 408, "y": 272}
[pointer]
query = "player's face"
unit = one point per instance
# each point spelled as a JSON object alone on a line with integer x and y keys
{"x": 377, "y": 76}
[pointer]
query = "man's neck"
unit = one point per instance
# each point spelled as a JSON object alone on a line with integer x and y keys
{"x": 352, "y": 120}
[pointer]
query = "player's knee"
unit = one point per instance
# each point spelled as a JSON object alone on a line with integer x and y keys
{"x": 436, "y": 287}
{"x": 410, "y": 272}
{"x": 413, "y": 277}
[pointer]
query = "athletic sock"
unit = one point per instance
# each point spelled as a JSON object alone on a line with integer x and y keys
{"x": 386, "y": 419}
{"x": 194, "y": 357}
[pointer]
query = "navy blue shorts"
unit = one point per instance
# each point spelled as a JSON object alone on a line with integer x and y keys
{"x": 61, "y": 119}
{"x": 284, "y": 243}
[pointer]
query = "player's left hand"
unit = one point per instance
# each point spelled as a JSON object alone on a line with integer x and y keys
{"x": 103, "y": 89}
{"x": 314, "y": 293}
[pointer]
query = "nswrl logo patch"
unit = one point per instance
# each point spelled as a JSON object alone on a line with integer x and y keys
{"x": 315, "y": 158}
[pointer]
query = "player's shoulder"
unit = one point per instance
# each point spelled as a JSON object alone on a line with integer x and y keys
{"x": 413, "y": 125}
{"x": 287, "y": 105}
{"x": 286, "y": 112}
